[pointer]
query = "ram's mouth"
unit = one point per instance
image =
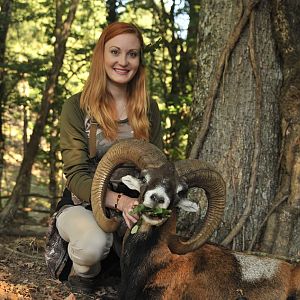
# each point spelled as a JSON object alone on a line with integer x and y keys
{"x": 153, "y": 220}
{"x": 152, "y": 215}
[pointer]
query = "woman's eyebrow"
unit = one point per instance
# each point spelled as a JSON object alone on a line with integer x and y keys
{"x": 133, "y": 49}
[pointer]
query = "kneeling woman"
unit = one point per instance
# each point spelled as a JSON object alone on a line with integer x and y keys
{"x": 113, "y": 105}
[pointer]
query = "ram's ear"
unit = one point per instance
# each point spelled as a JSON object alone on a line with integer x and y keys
{"x": 132, "y": 182}
{"x": 188, "y": 205}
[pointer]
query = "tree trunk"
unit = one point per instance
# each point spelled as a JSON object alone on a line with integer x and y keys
{"x": 236, "y": 117}
{"x": 61, "y": 33}
{"x": 282, "y": 231}
{"x": 26, "y": 186}
{"x": 5, "y": 16}
{"x": 111, "y": 11}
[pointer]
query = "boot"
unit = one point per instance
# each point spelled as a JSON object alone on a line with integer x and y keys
{"x": 81, "y": 285}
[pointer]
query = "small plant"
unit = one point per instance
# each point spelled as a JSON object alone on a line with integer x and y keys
{"x": 156, "y": 212}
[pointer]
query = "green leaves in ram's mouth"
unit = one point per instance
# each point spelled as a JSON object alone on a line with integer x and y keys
{"x": 156, "y": 212}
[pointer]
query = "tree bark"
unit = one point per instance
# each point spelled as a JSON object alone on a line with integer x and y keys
{"x": 282, "y": 231}
{"x": 61, "y": 33}
{"x": 239, "y": 95}
{"x": 26, "y": 188}
{"x": 5, "y": 16}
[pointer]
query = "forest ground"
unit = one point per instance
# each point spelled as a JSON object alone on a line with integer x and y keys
{"x": 23, "y": 273}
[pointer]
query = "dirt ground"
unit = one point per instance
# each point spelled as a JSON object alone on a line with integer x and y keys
{"x": 23, "y": 273}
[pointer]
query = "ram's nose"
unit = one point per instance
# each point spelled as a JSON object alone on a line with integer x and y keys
{"x": 157, "y": 199}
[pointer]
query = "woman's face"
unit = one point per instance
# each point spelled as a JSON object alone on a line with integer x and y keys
{"x": 122, "y": 58}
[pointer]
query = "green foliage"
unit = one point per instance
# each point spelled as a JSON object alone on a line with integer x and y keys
{"x": 152, "y": 212}
{"x": 158, "y": 212}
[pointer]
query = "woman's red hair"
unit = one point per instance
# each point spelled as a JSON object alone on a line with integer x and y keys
{"x": 98, "y": 102}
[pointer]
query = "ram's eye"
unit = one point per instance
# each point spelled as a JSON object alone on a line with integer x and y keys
{"x": 143, "y": 179}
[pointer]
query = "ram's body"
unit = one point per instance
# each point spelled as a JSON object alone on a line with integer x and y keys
{"x": 156, "y": 264}
{"x": 151, "y": 271}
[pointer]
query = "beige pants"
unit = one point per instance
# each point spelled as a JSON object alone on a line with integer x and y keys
{"x": 88, "y": 243}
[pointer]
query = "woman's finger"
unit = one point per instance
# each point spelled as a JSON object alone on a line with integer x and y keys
{"x": 132, "y": 218}
{"x": 126, "y": 220}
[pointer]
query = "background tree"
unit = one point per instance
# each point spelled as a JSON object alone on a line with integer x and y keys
{"x": 84, "y": 33}
{"x": 111, "y": 8}
{"x": 61, "y": 34}
{"x": 245, "y": 118}
{"x": 282, "y": 229}
{"x": 5, "y": 18}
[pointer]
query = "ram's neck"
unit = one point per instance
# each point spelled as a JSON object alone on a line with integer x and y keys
{"x": 136, "y": 263}
{"x": 145, "y": 229}
{"x": 144, "y": 254}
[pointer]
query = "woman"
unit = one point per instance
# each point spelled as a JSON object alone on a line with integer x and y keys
{"x": 114, "y": 97}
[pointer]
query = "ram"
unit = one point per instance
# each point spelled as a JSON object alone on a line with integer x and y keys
{"x": 158, "y": 264}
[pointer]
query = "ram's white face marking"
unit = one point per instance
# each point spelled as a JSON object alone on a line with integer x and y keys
{"x": 256, "y": 268}
{"x": 158, "y": 192}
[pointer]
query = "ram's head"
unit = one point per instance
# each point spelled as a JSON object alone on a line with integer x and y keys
{"x": 161, "y": 189}
{"x": 162, "y": 184}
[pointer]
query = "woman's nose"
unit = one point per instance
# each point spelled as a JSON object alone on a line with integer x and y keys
{"x": 123, "y": 60}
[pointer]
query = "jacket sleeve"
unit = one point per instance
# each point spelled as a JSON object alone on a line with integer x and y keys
{"x": 155, "y": 125}
{"x": 74, "y": 149}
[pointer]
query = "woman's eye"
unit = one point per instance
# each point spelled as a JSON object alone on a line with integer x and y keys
{"x": 114, "y": 51}
{"x": 133, "y": 54}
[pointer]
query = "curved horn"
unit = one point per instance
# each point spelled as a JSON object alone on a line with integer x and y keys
{"x": 200, "y": 174}
{"x": 141, "y": 153}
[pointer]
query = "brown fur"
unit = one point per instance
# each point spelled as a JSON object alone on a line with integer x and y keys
{"x": 295, "y": 282}
{"x": 212, "y": 272}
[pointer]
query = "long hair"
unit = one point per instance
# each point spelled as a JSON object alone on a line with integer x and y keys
{"x": 98, "y": 102}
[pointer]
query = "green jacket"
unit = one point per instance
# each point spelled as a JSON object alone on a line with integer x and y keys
{"x": 74, "y": 145}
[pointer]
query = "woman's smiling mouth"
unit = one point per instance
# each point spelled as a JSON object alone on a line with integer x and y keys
{"x": 121, "y": 71}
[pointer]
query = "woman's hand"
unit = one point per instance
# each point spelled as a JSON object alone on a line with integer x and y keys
{"x": 126, "y": 205}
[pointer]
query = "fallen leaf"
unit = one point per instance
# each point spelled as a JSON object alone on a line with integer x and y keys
{"x": 71, "y": 297}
